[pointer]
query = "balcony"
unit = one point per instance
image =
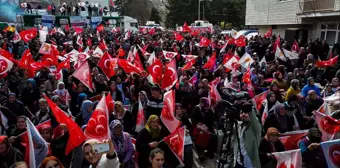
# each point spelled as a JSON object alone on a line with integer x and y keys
{"x": 307, "y": 6}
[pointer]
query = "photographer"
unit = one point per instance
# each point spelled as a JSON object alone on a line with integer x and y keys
{"x": 246, "y": 138}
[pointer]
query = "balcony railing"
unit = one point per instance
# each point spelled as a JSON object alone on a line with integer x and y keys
{"x": 316, "y": 5}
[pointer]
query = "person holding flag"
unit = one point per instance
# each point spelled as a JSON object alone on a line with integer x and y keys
{"x": 312, "y": 155}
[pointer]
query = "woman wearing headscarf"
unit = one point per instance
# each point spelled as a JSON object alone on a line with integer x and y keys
{"x": 123, "y": 144}
{"x": 279, "y": 120}
{"x": 103, "y": 160}
{"x": 310, "y": 86}
{"x": 269, "y": 104}
{"x": 313, "y": 102}
{"x": 148, "y": 139}
{"x": 8, "y": 154}
{"x": 31, "y": 95}
{"x": 273, "y": 87}
{"x": 269, "y": 144}
{"x": 294, "y": 89}
{"x": 279, "y": 81}
{"x": 143, "y": 99}
{"x": 123, "y": 115}
{"x": 115, "y": 93}
{"x": 86, "y": 111}
{"x": 16, "y": 106}
{"x": 62, "y": 93}
{"x": 311, "y": 151}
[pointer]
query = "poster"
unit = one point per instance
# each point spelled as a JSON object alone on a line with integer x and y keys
{"x": 48, "y": 20}
{"x": 78, "y": 20}
{"x": 95, "y": 21}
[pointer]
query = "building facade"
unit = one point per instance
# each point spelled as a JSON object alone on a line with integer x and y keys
{"x": 296, "y": 19}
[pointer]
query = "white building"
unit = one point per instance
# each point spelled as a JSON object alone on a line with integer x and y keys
{"x": 296, "y": 19}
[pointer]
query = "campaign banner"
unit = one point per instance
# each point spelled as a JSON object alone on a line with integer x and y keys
{"x": 48, "y": 20}
{"x": 95, "y": 21}
{"x": 78, "y": 21}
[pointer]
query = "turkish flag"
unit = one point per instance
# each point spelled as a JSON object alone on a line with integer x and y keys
{"x": 291, "y": 139}
{"x": 325, "y": 109}
{"x": 288, "y": 159}
{"x": 295, "y": 47}
{"x": 140, "y": 122}
{"x": 211, "y": 62}
{"x": 327, "y": 63}
{"x": 176, "y": 142}
{"x": 204, "y": 42}
{"x": 107, "y": 64}
{"x": 269, "y": 33}
{"x": 189, "y": 64}
{"x": 156, "y": 71}
{"x": 329, "y": 126}
{"x": 78, "y": 30}
{"x": 49, "y": 60}
{"x": 186, "y": 28}
{"x": 83, "y": 74}
{"x": 8, "y": 55}
{"x": 128, "y": 67}
{"x": 29, "y": 34}
{"x": 121, "y": 52}
{"x": 241, "y": 41}
{"x": 98, "y": 125}
{"x": 246, "y": 77}
{"x": 169, "y": 55}
{"x": 89, "y": 42}
{"x": 80, "y": 41}
{"x": 137, "y": 62}
{"x": 277, "y": 43}
{"x": 77, "y": 136}
{"x": 103, "y": 46}
{"x": 16, "y": 37}
{"x": 5, "y": 65}
{"x": 168, "y": 111}
{"x": 178, "y": 36}
{"x": 66, "y": 64}
{"x": 227, "y": 57}
{"x": 194, "y": 33}
{"x": 331, "y": 152}
{"x": 194, "y": 79}
{"x": 214, "y": 94}
{"x": 170, "y": 75}
{"x": 23, "y": 136}
{"x": 100, "y": 28}
{"x": 258, "y": 100}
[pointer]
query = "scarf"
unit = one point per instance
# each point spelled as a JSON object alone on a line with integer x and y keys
{"x": 118, "y": 140}
{"x": 281, "y": 119}
{"x": 155, "y": 133}
{"x": 84, "y": 110}
{"x": 60, "y": 92}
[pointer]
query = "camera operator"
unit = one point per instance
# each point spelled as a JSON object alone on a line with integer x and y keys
{"x": 246, "y": 138}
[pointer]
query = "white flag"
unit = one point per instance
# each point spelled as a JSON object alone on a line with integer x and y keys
{"x": 279, "y": 54}
{"x": 289, "y": 159}
{"x": 331, "y": 150}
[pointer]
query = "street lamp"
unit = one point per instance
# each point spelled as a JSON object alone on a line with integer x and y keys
{"x": 199, "y": 8}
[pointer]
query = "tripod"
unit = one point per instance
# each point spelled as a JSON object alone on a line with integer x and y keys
{"x": 226, "y": 151}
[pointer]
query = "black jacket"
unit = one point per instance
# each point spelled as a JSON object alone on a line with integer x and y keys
{"x": 265, "y": 147}
{"x": 271, "y": 121}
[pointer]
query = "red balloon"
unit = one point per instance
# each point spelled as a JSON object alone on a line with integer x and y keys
{"x": 49, "y": 7}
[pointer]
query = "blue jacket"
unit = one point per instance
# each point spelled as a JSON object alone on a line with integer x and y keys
{"x": 307, "y": 88}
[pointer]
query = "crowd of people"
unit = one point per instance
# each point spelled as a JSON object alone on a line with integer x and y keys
{"x": 294, "y": 89}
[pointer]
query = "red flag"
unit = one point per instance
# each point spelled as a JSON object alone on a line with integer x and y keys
{"x": 169, "y": 55}
{"x": 112, "y": 3}
{"x": 246, "y": 77}
{"x": 204, "y": 42}
{"x": 100, "y": 28}
{"x": 327, "y": 125}
{"x": 98, "y": 125}
{"x": 128, "y": 67}
{"x": 186, "y": 28}
{"x": 155, "y": 71}
{"x": 83, "y": 74}
{"x": 121, "y": 52}
{"x": 29, "y": 34}
{"x": 258, "y": 100}
{"x": 49, "y": 60}
{"x": 178, "y": 36}
{"x": 211, "y": 62}
{"x": 110, "y": 103}
{"x": 168, "y": 111}
{"x": 107, "y": 64}
{"x": 66, "y": 64}
{"x": 295, "y": 47}
{"x": 291, "y": 139}
{"x": 16, "y": 37}
{"x": 170, "y": 75}
{"x": 5, "y": 65}
{"x": 67, "y": 27}
{"x": 214, "y": 94}
{"x": 277, "y": 43}
{"x": 189, "y": 64}
{"x": 176, "y": 142}
{"x": 23, "y": 136}
{"x": 77, "y": 136}
{"x": 89, "y": 42}
{"x": 80, "y": 41}
{"x": 327, "y": 63}
{"x": 78, "y": 30}
{"x": 269, "y": 33}
{"x": 140, "y": 122}
{"x": 152, "y": 31}
{"x": 288, "y": 159}
{"x": 194, "y": 33}
{"x": 241, "y": 41}
{"x": 137, "y": 62}
{"x": 8, "y": 55}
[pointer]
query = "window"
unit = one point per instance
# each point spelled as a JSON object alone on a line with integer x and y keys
{"x": 330, "y": 32}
